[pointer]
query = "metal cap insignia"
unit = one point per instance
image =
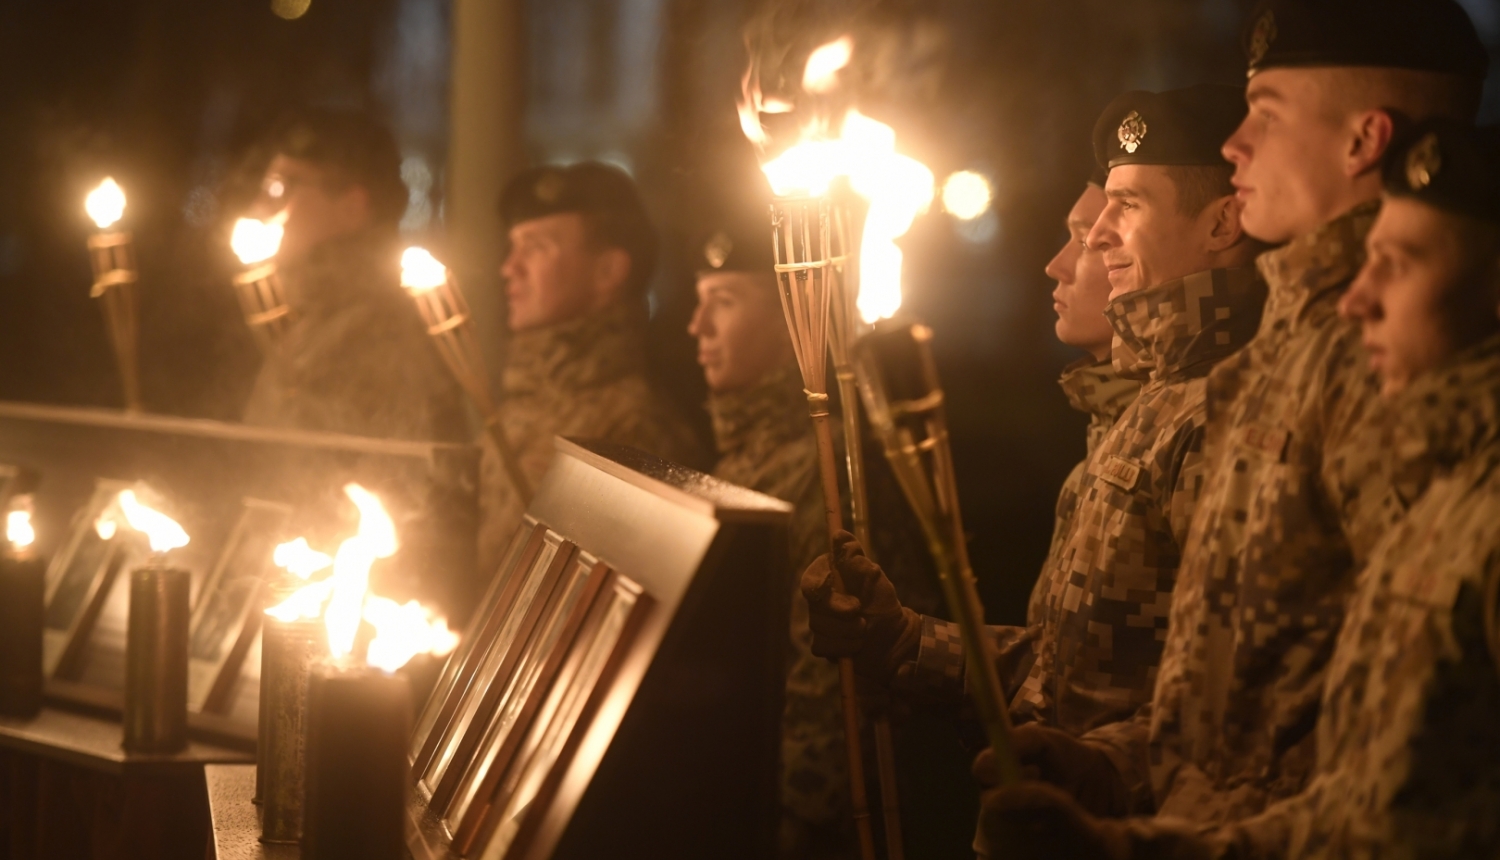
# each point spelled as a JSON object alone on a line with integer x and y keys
{"x": 718, "y": 248}
{"x": 1132, "y": 132}
{"x": 1262, "y": 37}
{"x": 1423, "y": 162}
{"x": 549, "y": 188}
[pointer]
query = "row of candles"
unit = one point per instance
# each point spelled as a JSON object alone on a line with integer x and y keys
{"x": 332, "y": 769}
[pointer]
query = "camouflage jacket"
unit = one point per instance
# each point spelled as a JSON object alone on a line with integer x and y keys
{"x": 585, "y": 377}
{"x": 766, "y": 442}
{"x": 1296, "y": 495}
{"x": 1096, "y": 389}
{"x": 356, "y": 357}
{"x": 1408, "y": 759}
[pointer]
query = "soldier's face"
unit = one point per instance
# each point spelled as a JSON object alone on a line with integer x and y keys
{"x": 1082, "y": 285}
{"x": 740, "y": 330}
{"x": 1142, "y": 233}
{"x": 1292, "y": 154}
{"x": 318, "y": 204}
{"x": 1426, "y": 292}
{"x": 554, "y": 273}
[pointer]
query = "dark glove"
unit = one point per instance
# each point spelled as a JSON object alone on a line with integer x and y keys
{"x": 1036, "y": 820}
{"x": 854, "y": 612}
{"x": 1056, "y": 757}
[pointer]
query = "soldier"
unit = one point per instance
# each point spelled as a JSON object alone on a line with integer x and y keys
{"x": 355, "y": 358}
{"x": 765, "y": 442}
{"x": 581, "y": 257}
{"x": 1408, "y": 757}
{"x": 1297, "y": 491}
{"x": 1182, "y": 300}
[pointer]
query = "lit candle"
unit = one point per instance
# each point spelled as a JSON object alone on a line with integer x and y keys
{"x": 22, "y": 584}
{"x": 156, "y": 638}
{"x": 112, "y": 254}
{"x": 261, "y": 294}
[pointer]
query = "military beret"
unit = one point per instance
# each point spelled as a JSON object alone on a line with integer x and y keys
{"x": 353, "y": 142}
{"x": 740, "y": 242}
{"x": 1449, "y": 164}
{"x": 604, "y": 193}
{"x": 1098, "y": 176}
{"x": 1424, "y": 35}
{"x": 1179, "y": 127}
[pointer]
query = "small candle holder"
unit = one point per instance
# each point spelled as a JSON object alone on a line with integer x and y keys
{"x": 156, "y": 659}
{"x": 289, "y": 649}
{"x": 358, "y": 727}
{"x": 22, "y": 586}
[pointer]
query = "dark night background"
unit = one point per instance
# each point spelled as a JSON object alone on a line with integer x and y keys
{"x": 165, "y": 95}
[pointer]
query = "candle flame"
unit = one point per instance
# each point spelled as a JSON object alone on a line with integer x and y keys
{"x": 105, "y": 527}
{"x": 106, "y": 204}
{"x": 299, "y": 559}
{"x": 255, "y": 241}
{"x": 163, "y": 532}
{"x": 404, "y": 630}
{"x": 420, "y": 271}
{"x": 18, "y": 528}
{"x": 823, "y": 65}
{"x": 966, "y": 195}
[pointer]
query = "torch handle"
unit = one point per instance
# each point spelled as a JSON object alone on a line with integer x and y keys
{"x": 508, "y": 459}
{"x": 849, "y": 692}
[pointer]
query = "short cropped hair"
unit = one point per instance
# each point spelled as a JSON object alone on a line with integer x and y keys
{"x": 1199, "y": 185}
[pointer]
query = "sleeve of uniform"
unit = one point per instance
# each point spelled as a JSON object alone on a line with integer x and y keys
{"x": 1185, "y": 479}
{"x": 938, "y": 671}
{"x": 1127, "y": 743}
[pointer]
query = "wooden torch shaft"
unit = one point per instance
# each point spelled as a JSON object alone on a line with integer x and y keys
{"x": 849, "y": 692}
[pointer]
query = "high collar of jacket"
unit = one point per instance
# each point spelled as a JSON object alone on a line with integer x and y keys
{"x": 1184, "y": 327}
{"x": 361, "y": 266}
{"x": 772, "y": 411}
{"x": 1309, "y": 267}
{"x": 1094, "y": 388}
{"x": 1445, "y": 416}
{"x": 587, "y": 352}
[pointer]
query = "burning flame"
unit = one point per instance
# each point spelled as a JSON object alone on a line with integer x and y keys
{"x": 404, "y": 630}
{"x": 420, "y": 271}
{"x": 105, "y": 527}
{"x": 401, "y": 630}
{"x": 106, "y": 204}
{"x": 898, "y": 187}
{"x": 966, "y": 195}
{"x": 299, "y": 559}
{"x": 18, "y": 528}
{"x": 256, "y": 241}
{"x": 160, "y": 530}
{"x": 823, "y": 65}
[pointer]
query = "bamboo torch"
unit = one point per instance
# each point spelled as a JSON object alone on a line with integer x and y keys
{"x": 259, "y": 289}
{"x": 447, "y": 316}
{"x": 112, "y": 253}
{"x": 904, "y": 399}
{"x": 801, "y": 236}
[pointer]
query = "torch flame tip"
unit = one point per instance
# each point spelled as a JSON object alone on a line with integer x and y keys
{"x": 106, "y": 203}
{"x": 420, "y": 271}
{"x": 255, "y": 241}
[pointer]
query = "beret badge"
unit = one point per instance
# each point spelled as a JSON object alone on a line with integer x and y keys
{"x": 1423, "y": 162}
{"x": 718, "y": 248}
{"x": 549, "y": 188}
{"x": 1132, "y": 132}
{"x": 1262, "y": 37}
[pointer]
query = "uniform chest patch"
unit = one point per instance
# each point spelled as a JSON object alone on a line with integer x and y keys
{"x": 1271, "y": 441}
{"x": 1122, "y": 472}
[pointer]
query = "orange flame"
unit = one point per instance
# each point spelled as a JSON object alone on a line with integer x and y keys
{"x": 161, "y": 531}
{"x": 257, "y": 241}
{"x": 420, "y": 271}
{"x": 299, "y": 559}
{"x": 18, "y": 528}
{"x": 824, "y": 64}
{"x": 106, "y": 204}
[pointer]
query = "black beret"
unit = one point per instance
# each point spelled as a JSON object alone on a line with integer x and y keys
{"x": 1183, "y": 127}
{"x": 603, "y": 192}
{"x": 1424, "y": 35}
{"x": 1099, "y": 176}
{"x": 353, "y": 142}
{"x": 1449, "y": 164}
{"x": 740, "y": 242}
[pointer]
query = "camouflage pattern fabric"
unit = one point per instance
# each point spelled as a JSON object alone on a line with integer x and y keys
{"x": 765, "y": 441}
{"x": 585, "y": 377}
{"x": 356, "y": 357}
{"x": 937, "y": 672}
{"x": 1104, "y": 616}
{"x": 1297, "y": 495}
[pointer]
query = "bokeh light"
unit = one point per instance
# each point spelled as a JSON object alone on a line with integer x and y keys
{"x": 966, "y": 194}
{"x": 290, "y": 9}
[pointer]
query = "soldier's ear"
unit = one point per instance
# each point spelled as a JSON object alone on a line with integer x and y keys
{"x": 1223, "y": 216}
{"x": 1370, "y": 134}
{"x": 611, "y": 274}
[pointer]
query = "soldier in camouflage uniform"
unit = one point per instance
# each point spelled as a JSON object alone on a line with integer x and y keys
{"x": 582, "y": 252}
{"x": 1408, "y": 761}
{"x": 765, "y": 442}
{"x": 355, "y": 357}
{"x": 1100, "y": 608}
{"x": 1298, "y": 490}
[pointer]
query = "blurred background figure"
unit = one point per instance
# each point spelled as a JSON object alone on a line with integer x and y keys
{"x": 355, "y": 357}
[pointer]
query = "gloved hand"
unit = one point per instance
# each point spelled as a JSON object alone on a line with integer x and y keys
{"x": 1056, "y": 757}
{"x": 1036, "y": 820}
{"x": 854, "y": 612}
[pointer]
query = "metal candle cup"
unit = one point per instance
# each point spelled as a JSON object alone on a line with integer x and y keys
{"x": 358, "y": 728}
{"x": 22, "y": 585}
{"x": 156, "y": 660}
{"x": 289, "y": 649}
